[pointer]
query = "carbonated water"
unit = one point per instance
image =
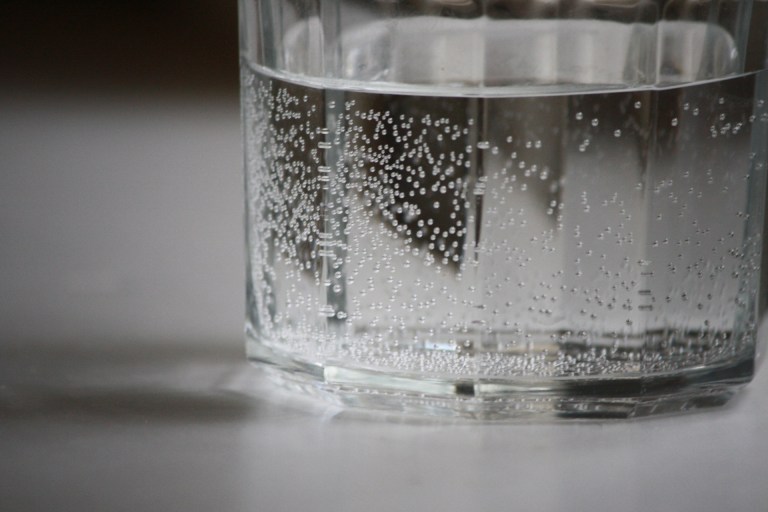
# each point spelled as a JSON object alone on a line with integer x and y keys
{"x": 576, "y": 233}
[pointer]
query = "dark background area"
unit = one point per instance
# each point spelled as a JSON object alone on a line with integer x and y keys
{"x": 134, "y": 46}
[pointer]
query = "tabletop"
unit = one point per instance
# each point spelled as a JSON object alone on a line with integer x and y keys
{"x": 192, "y": 428}
{"x": 124, "y": 386}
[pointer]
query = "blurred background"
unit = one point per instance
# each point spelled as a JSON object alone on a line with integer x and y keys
{"x": 120, "y": 173}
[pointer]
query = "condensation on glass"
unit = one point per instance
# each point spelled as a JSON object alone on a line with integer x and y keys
{"x": 494, "y": 208}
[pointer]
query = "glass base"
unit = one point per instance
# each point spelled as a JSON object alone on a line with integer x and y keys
{"x": 582, "y": 397}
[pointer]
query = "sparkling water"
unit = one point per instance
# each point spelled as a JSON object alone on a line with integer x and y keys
{"x": 611, "y": 233}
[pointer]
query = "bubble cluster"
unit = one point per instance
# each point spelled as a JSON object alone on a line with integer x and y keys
{"x": 462, "y": 236}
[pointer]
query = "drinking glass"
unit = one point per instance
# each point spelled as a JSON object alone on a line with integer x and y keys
{"x": 498, "y": 208}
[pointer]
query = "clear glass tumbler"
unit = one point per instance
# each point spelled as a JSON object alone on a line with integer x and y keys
{"x": 493, "y": 208}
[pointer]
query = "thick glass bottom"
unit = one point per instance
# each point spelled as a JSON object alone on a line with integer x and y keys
{"x": 515, "y": 397}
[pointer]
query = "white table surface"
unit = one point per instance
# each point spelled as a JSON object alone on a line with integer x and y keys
{"x": 123, "y": 384}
